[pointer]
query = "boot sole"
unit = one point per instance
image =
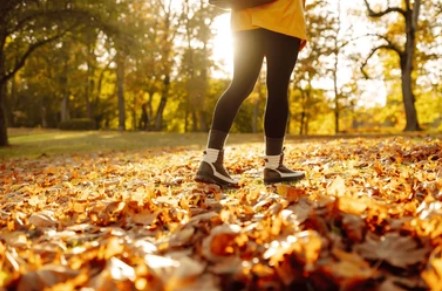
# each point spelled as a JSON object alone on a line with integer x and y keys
{"x": 280, "y": 180}
{"x": 213, "y": 180}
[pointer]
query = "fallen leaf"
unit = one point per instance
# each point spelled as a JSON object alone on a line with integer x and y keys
{"x": 181, "y": 237}
{"x": 354, "y": 227}
{"x": 43, "y": 219}
{"x": 136, "y": 220}
{"x": 337, "y": 187}
{"x": 290, "y": 193}
{"x": 433, "y": 271}
{"x": 349, "y": 269}
{"x": 306, "y": 247}
{"x": 46, "y": 277}
{"x": 397, "y": 250}
{"x": 221, "y": 242}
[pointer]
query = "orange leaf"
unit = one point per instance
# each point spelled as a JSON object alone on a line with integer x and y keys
{"x": 337, "y": 187}
{"x": 433, "y": 272}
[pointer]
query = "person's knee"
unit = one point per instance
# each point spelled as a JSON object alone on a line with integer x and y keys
{"x": 239, "y": 92}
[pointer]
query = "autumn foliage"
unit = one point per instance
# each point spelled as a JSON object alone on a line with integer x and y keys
{"x": 368, "y": 217}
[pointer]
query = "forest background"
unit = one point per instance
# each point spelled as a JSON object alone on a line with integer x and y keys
{"x": 372, "y": 66}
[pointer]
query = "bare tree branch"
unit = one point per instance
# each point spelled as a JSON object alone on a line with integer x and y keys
{"x": 78, "y": 15}
{"x": 353, "y": 39}
{"x": 21, "y": 62}
{"x": 393, "y": 45}
{"x": 373, "y": 51}
{"x": 388, "y": 10}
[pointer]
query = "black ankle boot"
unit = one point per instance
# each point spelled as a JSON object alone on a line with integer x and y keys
{"x": 211, "y": 169}
{"x": 275, "y": 171}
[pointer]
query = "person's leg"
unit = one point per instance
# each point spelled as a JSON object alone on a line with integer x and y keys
{"x": 247, "y": 62}
{"x": 281, "y": 55}
{"x": 248, "y": 58}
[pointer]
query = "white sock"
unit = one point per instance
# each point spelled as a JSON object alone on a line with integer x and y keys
{"x": 272, "y": 162}
{"x": 211, "y": 155}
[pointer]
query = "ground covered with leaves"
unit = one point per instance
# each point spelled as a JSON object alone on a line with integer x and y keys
{"x": 367, "y": 217}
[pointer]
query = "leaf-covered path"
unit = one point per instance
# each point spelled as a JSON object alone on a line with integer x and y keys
{"x": 368, "y": 217}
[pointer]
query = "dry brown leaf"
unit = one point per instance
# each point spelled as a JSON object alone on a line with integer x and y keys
{"x": 181, "y": 237}
{"x": 354, "y": 227}
{"x": 12, "y": 261}
{"x": 145, "y": 217}
{"x": 350, "y": 268}
{"x": 15, "y": 239}
{"x": 337, "y": 187}
{"x": 145, "y": 247}
{"x": 189, "y": 268}
{"x": 43, "y": 219}
{"x": 290, "y": 193}
{"x": 352, "y": 205}
{"x": 203, "y": 217}
{"x": 175, "y": 273}
{"x": 104, "y": 282}
{"x": 306, "y": 246}
{"x": 137, "y": 220}
{"x": 221, "y": 242}
{"x": 389, "y": 285}
{"x": 46, "y": 277}
{"x": 397, "y": 250}
{"x": 206, "y": 282}
{"x": 228, "y": 266}
{"x": 301, "y": 210}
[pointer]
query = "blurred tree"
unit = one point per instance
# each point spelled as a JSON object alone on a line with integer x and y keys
{"x": 27, "y": 25}
{"x": 197, "y": 19}
{"x": 17, "y": 20}
{"x": 168, "y": 23}
{"x": 410, "y": 12}
{"x": 307, "y": 101}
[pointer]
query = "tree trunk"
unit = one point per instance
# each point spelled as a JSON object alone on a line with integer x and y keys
{"x": 337, "y": 109}
{"x": 255, "y": 116}
{"x": 3, "y": 126}
{"x": 406, "y": 56}
{"x": 89, "y": 86}
{"x": 408, "y": 98}
{"x": 162, "y": 105}
{"x": 88, "y": 91}
{"x": 44, "y": 116}
{"x": 134, "y": 112}
{"x": 202, "y": 98}
{"x": 301, "y": 118}
{"x": 261, "y": 96}
{"x": 12, "y": 102}
{"x": 303, "y": 113}
{"x": 186, "y": 114}
{"x": 120, "y": 92}
{"x": 307, "y": 113}
{"x": 407, "y": 69}
{"x": 64, "y": 105}
{"x": 202, "y": 120}
{"x": 150, "y": 94}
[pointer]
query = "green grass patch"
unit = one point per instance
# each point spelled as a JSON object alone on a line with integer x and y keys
{"x": 32, "y": 143}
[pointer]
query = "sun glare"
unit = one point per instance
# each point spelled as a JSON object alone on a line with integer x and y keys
{"x": 223, "y": 45}
{"x": 375, "y": 91}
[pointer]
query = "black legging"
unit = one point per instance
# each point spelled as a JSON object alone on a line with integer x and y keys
{"x": 251, "y": 46}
